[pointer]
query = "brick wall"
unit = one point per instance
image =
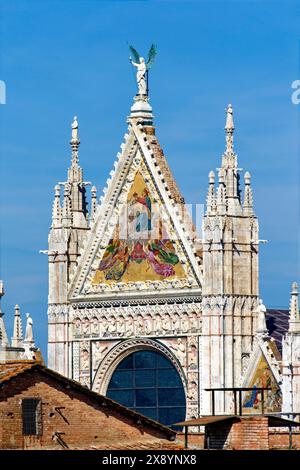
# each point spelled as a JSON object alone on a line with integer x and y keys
{"x": 280, "y": 440}
{"x": 84, "y": 422}
{"x": 245, "y": 434}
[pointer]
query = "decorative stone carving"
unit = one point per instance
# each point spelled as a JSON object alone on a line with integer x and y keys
{"x": 95, "y": 326}
{"x": 123, "y": 349}
{"x": 98, "y": 351}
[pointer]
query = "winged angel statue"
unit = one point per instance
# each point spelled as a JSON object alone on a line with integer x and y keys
{"x": 142, "y": 67}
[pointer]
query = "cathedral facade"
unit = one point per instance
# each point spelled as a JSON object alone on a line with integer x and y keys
{"x": 148, "y": 311}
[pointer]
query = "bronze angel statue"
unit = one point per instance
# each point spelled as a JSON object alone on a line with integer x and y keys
{"x": 142, "y": 67}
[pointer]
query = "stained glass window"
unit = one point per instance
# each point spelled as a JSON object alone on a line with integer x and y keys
{"x": 147, "y": 382}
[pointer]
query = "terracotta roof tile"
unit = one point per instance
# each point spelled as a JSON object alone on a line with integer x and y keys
{"x": 11, "y": 369}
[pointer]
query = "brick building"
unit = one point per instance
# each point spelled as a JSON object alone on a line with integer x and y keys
{"x": 41, "y": 409}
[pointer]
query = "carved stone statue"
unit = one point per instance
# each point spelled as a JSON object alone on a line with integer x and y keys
{"x": 86, "y": 326}
{"x": 142, "y": 67}
{"x": 261, "y": 318}
{"x": 180, "y": 350}
{"x": 29, "y": 332}
{"x": 95, "y": 326}
{"x": 84, "y": 359}
{"x": 75, "y": 129}
{"x": 77, "y": 326}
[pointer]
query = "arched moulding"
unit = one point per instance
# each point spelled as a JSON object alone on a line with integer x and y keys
{"x": 125, "y": 348}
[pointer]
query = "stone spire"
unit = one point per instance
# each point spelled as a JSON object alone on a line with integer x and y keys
{"x": 17, "y": 337}
{"x": 74, "y": 192}
{"x": 229, "y": 159}
{"x": 75, "y": 172}
{"x": 294, "y": 321}
{"x": 3, "y": 335}
{"x": 230, "y": 175}
{"x": 56, "y": 210}
{"x": 248, "y": 196}
{"x": 67, "y": 207}
{"x": 93, "y": 202}
{"x": 221, "y": 193}
{"x": 211, "y": 195}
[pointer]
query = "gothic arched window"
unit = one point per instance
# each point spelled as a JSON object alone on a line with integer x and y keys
{"x": 147, "y": 382}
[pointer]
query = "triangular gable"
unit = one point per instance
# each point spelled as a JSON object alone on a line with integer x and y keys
{"x": 107, "y": 266}
{"x": 263, "y": 371}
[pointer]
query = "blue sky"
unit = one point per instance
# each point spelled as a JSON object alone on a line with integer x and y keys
{"x": 60, "y": 58}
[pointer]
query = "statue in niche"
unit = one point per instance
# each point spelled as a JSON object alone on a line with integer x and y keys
{"x": 139, "y": 325}
{"x": 193, "y": 391}
{"x": 104, "y": 327}
{"x": 193, "y": 356}
{"x": 77, "y": 326}
{"x": 112, "y": 327}
{"x": 95, "y": 326}
{"x": 121, "y": 326}
{"x": 194, "y": 322}
{"x": 86, "y": 326}
{"x": 157, "y": 324}
{"x": 98, "y": 353}
{"x": 84, "y": 359}
{"x": 180, "y": 350}
{"x": 129, "y": 326}
{"x": 148, "y": 325}
{"x": 185, "y": 324}
{"x": 166, "y": 324}
{"x": 176, "y": 323}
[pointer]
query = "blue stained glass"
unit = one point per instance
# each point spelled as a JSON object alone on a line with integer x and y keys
{"x": 122, "y": 379}
{"x": 126, "y": 397}
{"x": 145, "y": 397}
{"x": 170, "y": 416}
{"x": 164, "y": 396}
{"x": 145, "y": 360}
{"x": 147, "y": 381}
{"x": 163, "y": 362}
{"x": 149, "y": 412}
{"x": 168, "y": 378}
{"x": 145, "y": 378}
{"x": 127, "y": 363}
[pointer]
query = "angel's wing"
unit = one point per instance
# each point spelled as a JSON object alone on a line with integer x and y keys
{"x": 151, "y": 56}
{"x": 135, "y": 54}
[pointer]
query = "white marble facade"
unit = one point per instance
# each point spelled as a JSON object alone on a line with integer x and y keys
{"x": 206, "y": 325}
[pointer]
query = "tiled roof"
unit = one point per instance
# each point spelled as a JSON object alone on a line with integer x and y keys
{"x": 146, "y": 445}
{"x": 11, "y": 369}
{"x": 278, "y": 324}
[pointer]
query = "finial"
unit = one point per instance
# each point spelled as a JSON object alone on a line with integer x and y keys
{"x": 229, "y": 118}
{"x": 75, "y": 129}
{"x": 229, "y": 129}
{"x": 211, "y": 177}
{"x": 74, "y": 142}
{"x": 294, "y": 309}
{"x": 56, "y": 209}
{"x": 248, "y": 196}
{"x": 17, "y": 337}
{"x": 3, "y": 335}
{"x": 94, "y": 201}
{"x": 247, "y": 177}
{"x": 211, "y": 196}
